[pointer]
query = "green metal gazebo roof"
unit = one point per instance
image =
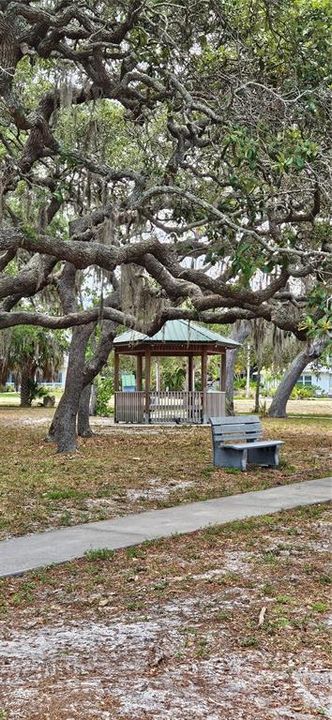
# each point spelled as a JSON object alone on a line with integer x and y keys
{"x": 180, "y": 332}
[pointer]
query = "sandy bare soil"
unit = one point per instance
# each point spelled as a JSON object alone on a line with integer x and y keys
{"x": 116, "y": 669}
{"x": 230, "y": 624}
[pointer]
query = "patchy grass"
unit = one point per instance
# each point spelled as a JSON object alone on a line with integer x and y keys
{"x": 187, "y": 628}
{"x": 99, "y": 554}
{"x": 10, "y": 399}
{"x": 310, "y": 406}
{"x": 120, "y": 471}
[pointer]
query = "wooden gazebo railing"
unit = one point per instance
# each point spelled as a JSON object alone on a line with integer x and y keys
{"x": 168, "y": 406}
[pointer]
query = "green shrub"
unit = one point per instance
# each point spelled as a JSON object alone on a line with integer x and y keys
{"x": 174, "y": 378}
{"x": 35, "y": 390}
{"x": 302, "y": 392}
{"x": 240, "y": 387}
{"x": 240, "y": 383}
{"x": 104, "y": 392}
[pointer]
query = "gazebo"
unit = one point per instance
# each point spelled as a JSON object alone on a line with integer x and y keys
{"x": 177, "y": 338}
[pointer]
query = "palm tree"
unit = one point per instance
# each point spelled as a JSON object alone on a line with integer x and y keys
{"x": 32, "y": 349}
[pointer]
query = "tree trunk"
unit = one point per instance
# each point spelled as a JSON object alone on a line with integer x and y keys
{"x": 79, "y": 373}
{"x": 83, "y": 421}
{"x": 4, "y": 372}
{"x": 240, "y": 333}
{"x": 311, "y": 352}
{"x": 79, "y": 376}
{"x": 25, "y": 390}
{"x": 9, "y": 56}
{"x": 63, "y": 426}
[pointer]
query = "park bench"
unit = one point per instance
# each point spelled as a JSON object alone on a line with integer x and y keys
{"x": 236, "y": 442}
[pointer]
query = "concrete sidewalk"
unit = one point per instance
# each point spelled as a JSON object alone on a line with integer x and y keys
{"x": 56, "y": 546}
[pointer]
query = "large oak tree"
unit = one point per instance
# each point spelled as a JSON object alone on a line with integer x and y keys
{"x": 189, "y": 142}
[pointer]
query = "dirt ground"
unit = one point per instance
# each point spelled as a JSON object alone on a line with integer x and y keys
{"x": 229, "y": 623}
{"x": 129, "y": 469}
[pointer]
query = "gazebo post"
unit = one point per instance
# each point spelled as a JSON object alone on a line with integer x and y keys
{"x": 139, "y": 367}
{"x": 116, "y": 371}
{"x": 116, "y": 381}
{"x": 190, "y": 372}
{"x": 223, "y": 358}
{"x": 222, "y": 385}
{"x": 147, "y": 384}
{"x": 204, "y": 370}
{"x": 204, "y": 381}
{"x": 190, "y": 400}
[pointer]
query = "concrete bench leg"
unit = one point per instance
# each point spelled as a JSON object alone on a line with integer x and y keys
{"x": 224, "y": 457}
{"x": 264, "y": 456}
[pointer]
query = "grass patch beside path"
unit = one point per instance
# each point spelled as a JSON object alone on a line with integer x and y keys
{"x": 230, "y": 622}
{"x": 122, "y": 471}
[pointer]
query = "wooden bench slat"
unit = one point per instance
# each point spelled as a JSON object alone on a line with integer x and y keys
{"x": 250, "y": 446}
{"x": 249, "y": 433}
{"x": 234, "y": 419}
{"x": 240, "y": 433}
{"x": 247, "y": 441}
{"x": 232, "y": 433}
{"x": 237, "y": 428}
